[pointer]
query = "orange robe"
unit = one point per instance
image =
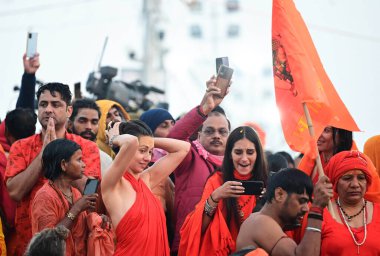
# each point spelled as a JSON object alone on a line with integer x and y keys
{"x": 49, "y": 207}
{"x": 142, "y": 230}
{"x": 219, "y": 237}
{"x": 22, "y": 153}
{"x": 337, "y": 240}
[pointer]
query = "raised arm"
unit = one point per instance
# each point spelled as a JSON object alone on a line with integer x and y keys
{"x": 177, "y": 150}
{"x": 128, "y": 145}
{"x": 189, "y": 124}
{"x": 28, "y": 83}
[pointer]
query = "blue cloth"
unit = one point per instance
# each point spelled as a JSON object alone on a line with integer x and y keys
{"x": 154, "y": 117}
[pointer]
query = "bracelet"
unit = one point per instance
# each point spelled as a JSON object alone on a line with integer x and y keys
{"x": 315, "y": 216}
{"x": 110, "y": 143}
{"x": 212, "y": 199}
{"x": 71, "y": 216}
{"x": 313, "y": 229}
{"x": 209, "y": 210}
{"x": 200, "y": 112}
{"x": 316, "y": 209}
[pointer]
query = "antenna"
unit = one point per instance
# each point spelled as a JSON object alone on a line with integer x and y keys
{"x": 103, "y": 50}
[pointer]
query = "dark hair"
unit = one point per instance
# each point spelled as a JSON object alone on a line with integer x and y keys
{"x": 291, "y": 180}
{"x": 287, "y": 156}
{"x": 136, "y": 128}
{"x": 50, "y": 241}
{"x": 259, "y": 170}
{"x": 342, "y": 140}
{"x": 276, "y": 162}
{"x": 84, "y": 103}
{"x": 63, "y": 89}
{"x": 54, "y": 153}
{"x": 21, "y": 123}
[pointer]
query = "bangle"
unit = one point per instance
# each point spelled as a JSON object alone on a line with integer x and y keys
{"x": 71, "y": 216}
{"x": 110, "y": 143}
{"x": 315, "y": 216}
{"x": 316, "y": 209}
{"x": 212, "y": 199}
{"x": 200, "y": 112}
{"x": 313, "y": 229}
{"x": 209, "y": 210}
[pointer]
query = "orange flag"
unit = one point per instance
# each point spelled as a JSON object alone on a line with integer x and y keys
{"x": 299, "y": 78}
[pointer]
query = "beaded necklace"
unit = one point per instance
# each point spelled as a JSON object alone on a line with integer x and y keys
{"x": 240, "y": 208}
{"x": 350, "y": 217}
{"x": 349, "y": 228}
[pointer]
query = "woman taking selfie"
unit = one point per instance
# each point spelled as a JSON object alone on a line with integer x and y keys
{"x": 357, "y": 226}
{"x": 212, "y": 228}
{"x": 58, "y": 203}
{"x": 136, "y": 213}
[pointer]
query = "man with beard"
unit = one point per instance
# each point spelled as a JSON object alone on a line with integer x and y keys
{"x": 288, "y": 194}
{"x": 24, "y": 169}
{"x": 206, "y": 153}
{"x": 84, "y": 121}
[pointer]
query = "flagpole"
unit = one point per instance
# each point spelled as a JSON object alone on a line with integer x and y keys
{"x": 318, "y": 158}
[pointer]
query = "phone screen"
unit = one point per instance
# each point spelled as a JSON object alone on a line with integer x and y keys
{"x": 252, "y": 187}
{"x": 31, "y": 45}
{"x": 91, "y": 187}
{"x": 223, "y": 79}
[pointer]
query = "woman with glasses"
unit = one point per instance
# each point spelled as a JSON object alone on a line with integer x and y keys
{"x": 212, "y": 228}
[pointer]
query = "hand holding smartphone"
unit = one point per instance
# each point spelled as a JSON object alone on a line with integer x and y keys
{"x": 31, "y": 44}
{"x": 91, "y": 186}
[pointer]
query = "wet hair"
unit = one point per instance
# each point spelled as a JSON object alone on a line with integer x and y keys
{"x": 54, "y": 153}
{"x": 342, "y": 140}
{"x": 292, "y": 180}
{"x": 50, "y": 241}
{"x": 63, "y": 90}
{"x": 136, "y": 128}
{"x": 84, "y": 103}
{"x": 287, "y": 156}
{"x": 259, "y": 170}
{"x": 21, "y": 123}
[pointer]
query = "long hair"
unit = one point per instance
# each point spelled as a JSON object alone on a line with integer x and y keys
{"x": 342, "y": 140}
{"x": 259, "y": 171}
{"x": 54, "y": 153}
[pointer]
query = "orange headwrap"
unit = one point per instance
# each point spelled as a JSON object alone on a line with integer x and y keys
{"x": 345, "y": 161}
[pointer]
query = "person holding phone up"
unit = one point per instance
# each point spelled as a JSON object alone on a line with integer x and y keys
{"x": 213, "y": 226}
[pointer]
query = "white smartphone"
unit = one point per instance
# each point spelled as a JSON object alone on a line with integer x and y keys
{"x": 31, "y": 44}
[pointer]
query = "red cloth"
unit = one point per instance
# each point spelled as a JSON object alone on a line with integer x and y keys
{"x": 336, "y": 239}
{"x": 142, "y": 230}
{"x": 191, "y": 174}
{"x": 219, "y": 237}
{"x": 3, "y": 141}
{"x": 100, "y": 241}
{"x": 299, "y": 77}
{"x": 49, "y": 207}
{"x": 345, "y": 161}
{"x": 22, "y": 153}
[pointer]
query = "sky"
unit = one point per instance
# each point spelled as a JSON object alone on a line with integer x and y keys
{"x": 72, "y": 32}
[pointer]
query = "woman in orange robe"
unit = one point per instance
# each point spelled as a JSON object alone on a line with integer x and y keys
{"x": 212, "y": 228}
{"x": 136, "y": 213}
{"x": 356, "y": 229}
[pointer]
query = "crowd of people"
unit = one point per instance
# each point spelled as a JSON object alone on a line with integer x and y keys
{"x": 174, "y": 186}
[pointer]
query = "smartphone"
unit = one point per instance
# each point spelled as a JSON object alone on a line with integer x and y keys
{"x": 221, "y": 61}
{"x": 91, "y": 186}
{"x": 31, "y": 44}
{"x": 223, "y": 79}
{"x": 252, "y": 187}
